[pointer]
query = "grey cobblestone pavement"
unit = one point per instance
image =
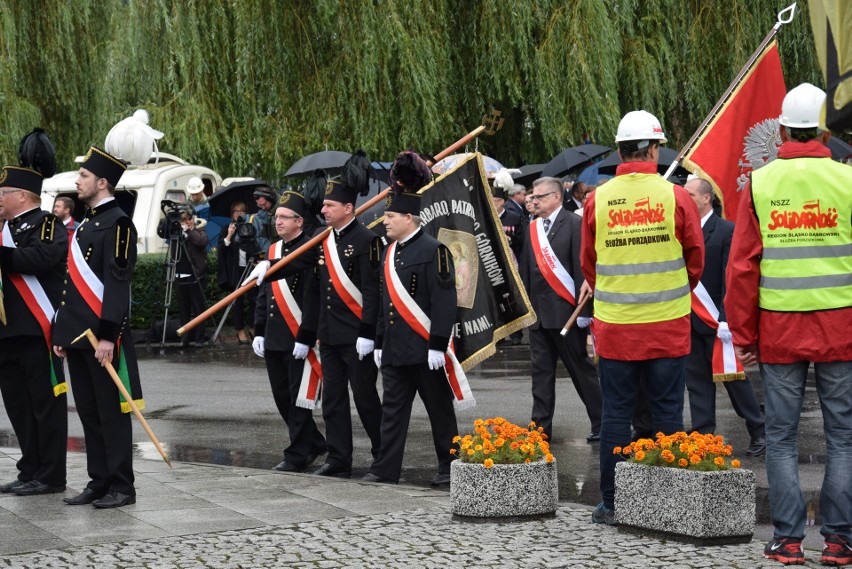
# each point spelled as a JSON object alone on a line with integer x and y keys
{"x": 202, "y": 516}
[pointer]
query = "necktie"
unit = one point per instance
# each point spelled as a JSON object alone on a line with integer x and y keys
{"x": 546, "y": 225}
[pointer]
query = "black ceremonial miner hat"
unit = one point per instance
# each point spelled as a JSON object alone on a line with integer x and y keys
{"x": 21, "y": 179}
{"x": 403, "y": 202}
{"x": 294, "y": 202}
{"x": 338, "y": 191}
{"x": 104, "y": 165}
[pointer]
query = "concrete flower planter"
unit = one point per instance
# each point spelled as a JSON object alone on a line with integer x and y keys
{"x": 503, "y": 490}
{"x": 704, "y": 507}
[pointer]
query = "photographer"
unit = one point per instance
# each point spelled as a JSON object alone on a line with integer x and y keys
{"x": 188, "y": 253}
{"x": 234, "y": 254}
{"x": 265, "y": 198}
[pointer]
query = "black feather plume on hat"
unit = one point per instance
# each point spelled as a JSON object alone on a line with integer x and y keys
{"x": 315, "y": 192}
{"x": 357, "y": 172}
{"x": 410, "y": 170}
{"x": 36, "y": 152}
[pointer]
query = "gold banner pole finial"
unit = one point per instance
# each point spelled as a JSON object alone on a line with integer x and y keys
{"x": 117, "y": 380}
{"x": 492, "y": 122}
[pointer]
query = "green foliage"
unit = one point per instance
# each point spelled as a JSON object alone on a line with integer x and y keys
{"x": 249, "y": 86}
{"x": 149, "y": 290}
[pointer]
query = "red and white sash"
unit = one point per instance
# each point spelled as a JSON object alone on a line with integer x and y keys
{"x": 556, "y": 275}
{"x": 726, "y": 366}
{"x": 344, "y": 286}
{"x": 36, "y": 300}
{"x": 420, "y": 323}
{"x": 310, "y": 387}
{"x": 85, "y": 280}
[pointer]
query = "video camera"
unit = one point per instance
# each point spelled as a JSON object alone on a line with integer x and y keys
{"x": 245, "y": 237}
{"x": 175, "y": 212}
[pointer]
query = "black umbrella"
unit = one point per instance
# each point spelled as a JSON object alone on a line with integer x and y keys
{"x": 329, "y": 160}
{"x": 571, "y": 158}
{"x": 529, "y": 173}
{"x": 667, "y": 156}
{"x": 221, "y": 200}
{"x": 839, "y": 149}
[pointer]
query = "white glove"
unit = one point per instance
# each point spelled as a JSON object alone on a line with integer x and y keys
{"x": 258, "y": 345}
{"x": 723, "y": 333}
{"x": 583, "y": 321}
{"x": 436, "y": 359}
{"x": 364, "y": 346}
{"x": 258, "y": 272}
{"x": 300, "y": 351}
{"x": 377, "y": 357}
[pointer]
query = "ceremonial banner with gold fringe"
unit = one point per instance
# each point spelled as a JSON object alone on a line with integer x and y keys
{"x": 457, "y": 210}
{"x": 744, "y": 133}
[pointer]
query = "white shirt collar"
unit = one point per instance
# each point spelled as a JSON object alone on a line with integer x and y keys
{"x": 706, "y": 217}
{"x": 412, "y": 234}
{"x": 103, "y": 201}
{"x": 552, "y": 216}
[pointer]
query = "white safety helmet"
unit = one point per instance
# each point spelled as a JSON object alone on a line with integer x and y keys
{"x": 640, "y": 125}
{"x": 195, "y": 185}
{"x": 802, "y": 106}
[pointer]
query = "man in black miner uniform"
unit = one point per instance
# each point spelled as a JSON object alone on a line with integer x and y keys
{"x": 97, "y": 297}
{"x": 411, "y": 364}
{"x": 349, "y": 305}
{"x": 561, "y": 229}
{"x": 32, "y": 259}
{"x": 274, "y": 340}
{"x": 718, "y": 233}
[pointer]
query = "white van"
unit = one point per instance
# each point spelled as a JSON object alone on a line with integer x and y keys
{"x": 139, "y": 193}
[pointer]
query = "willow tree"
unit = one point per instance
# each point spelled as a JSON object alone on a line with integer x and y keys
{"x": 249, "y": 86}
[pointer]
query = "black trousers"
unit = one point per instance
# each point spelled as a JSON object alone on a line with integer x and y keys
{"x": 702, "y": 391}
{"x": 38, "y": 417}
{"x": 285, "y": 375}
{"x": 107, "y": 431}
{"x": 400, "y": 384}
{"x": 341, "y": 368}
{"x": 546, "y": 346}
{"x": 190, "y": 297}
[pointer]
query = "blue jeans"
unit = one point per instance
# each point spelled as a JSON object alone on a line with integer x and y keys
{"x": 784, "y": 391}
{"x": 619, "y": 386}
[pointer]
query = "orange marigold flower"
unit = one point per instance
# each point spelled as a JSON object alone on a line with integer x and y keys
{"x": 499, "y": 442}
{"x": 694, "y": 459}
{"x": 719, "y": 461}
{"x": 514, "y": 445}
{"x": 616, "y": 450}
{"x": 470, "y": 452}
{"x": 682, "y": 463}
{"x": 735, "y": 463}
{"x": 640, "y": 455}
{"x": 488, "y": 463}
{"x": 452, "y": 451}
{"x": 478, "y": 447}
{"x": 456, "y": 439}
{"x": 527, "y": 460}
{"x": 548, "y": 457}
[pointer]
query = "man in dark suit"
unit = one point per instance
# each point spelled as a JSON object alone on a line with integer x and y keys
{"x": 699, "y": 363}
{"x": 550, "y": 270}
{"x": 574, "y": 195}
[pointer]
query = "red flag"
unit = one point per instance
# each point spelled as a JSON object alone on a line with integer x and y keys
{"x": 743, "y": 135}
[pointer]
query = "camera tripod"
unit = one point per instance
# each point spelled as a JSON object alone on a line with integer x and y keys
{"x": 251, "y": 262}
{"x": 176, "y": 251}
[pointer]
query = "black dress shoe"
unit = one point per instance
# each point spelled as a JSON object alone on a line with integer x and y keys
{"x": 87, "y": 496}
{"x": 441, "y": 479}
{"x": 332, "y": 470}
{"x": 11, "y": 486}
{"x": 370, "y": 477}
{"x": 593, "y": 437}
{"x": 757, "y": 447}
{"x": 287, "y": 466}
{"x": 114, "y": 500}
{"x": 35, "y": 488}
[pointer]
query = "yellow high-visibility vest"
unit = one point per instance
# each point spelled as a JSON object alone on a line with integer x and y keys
{"x": 803, "y": 207}
{"x": 641, "y": 273}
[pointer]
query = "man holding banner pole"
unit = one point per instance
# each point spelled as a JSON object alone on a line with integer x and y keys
{"x": 285, "y": 328}
{"x": 415, "y": 327}
{"x": 550, "y": 270}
